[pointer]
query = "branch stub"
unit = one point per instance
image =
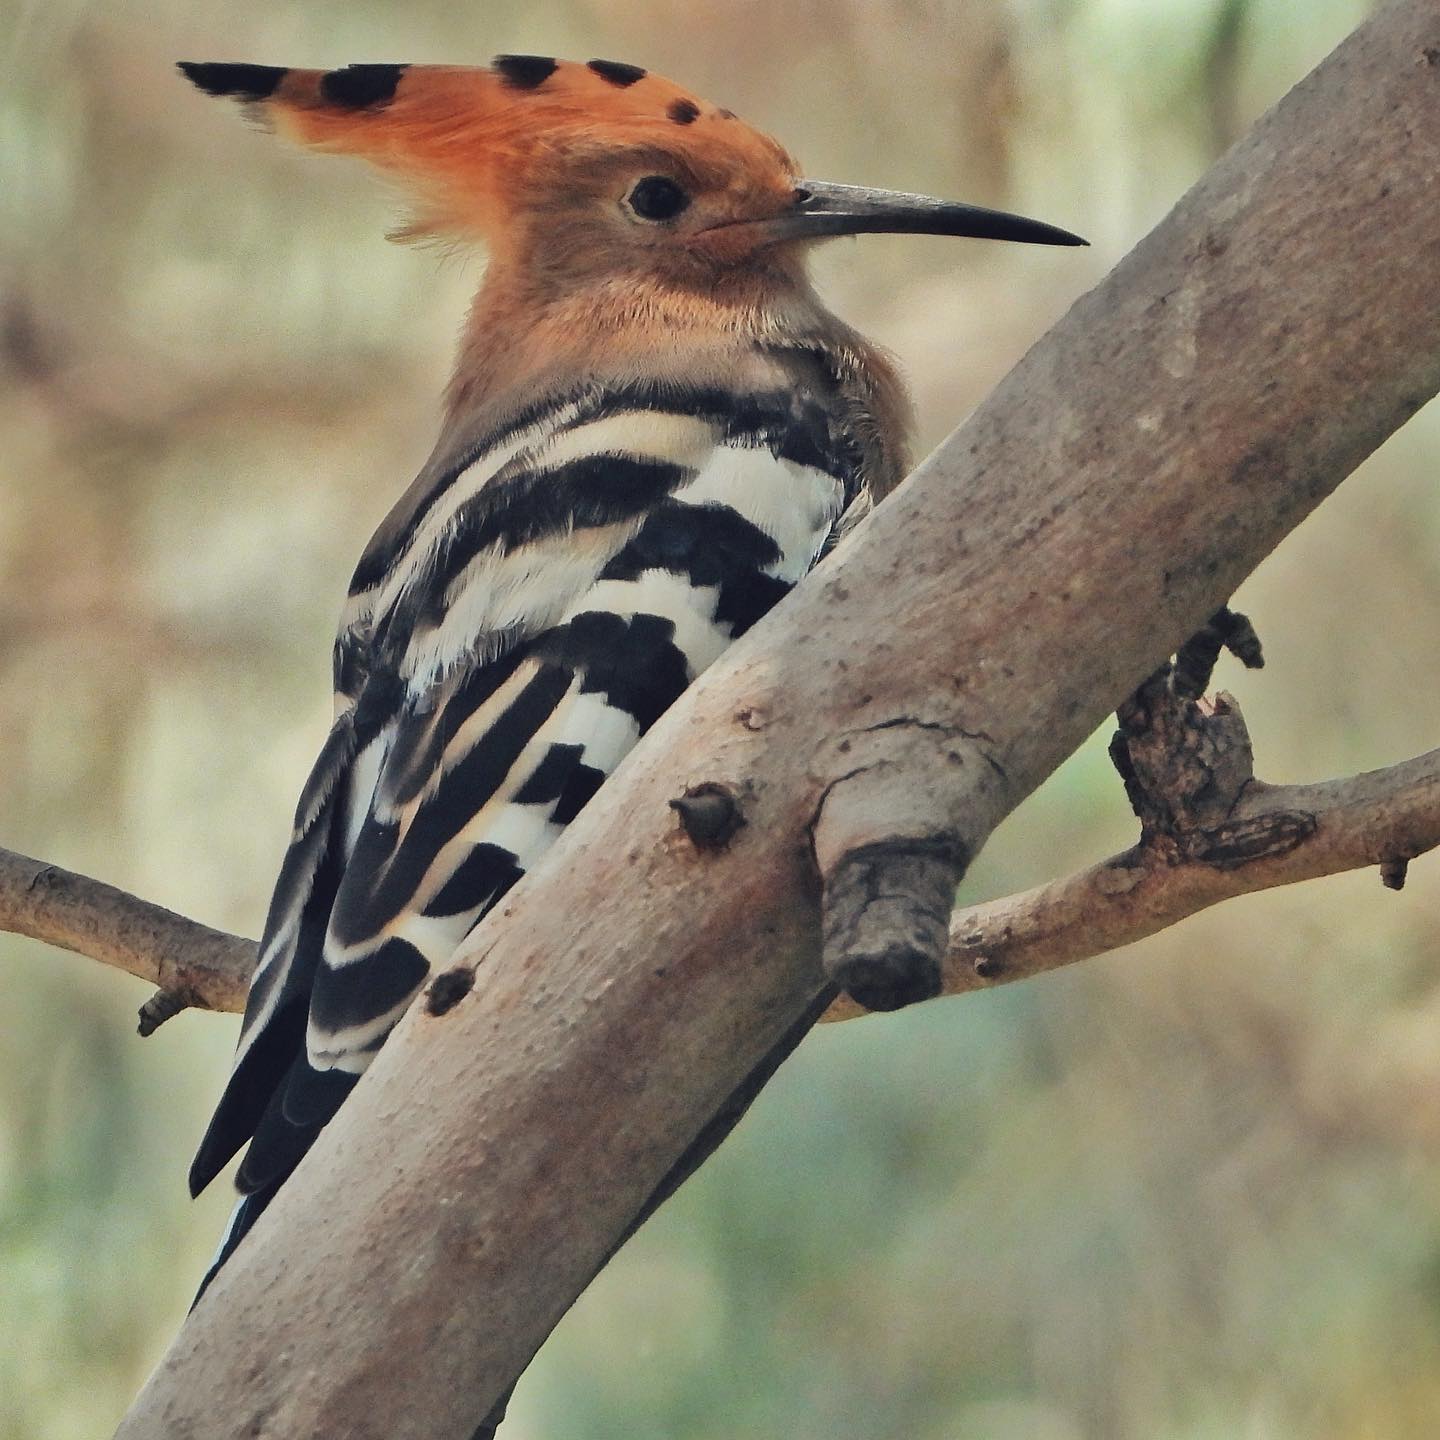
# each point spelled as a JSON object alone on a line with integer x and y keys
{"x": 709, "y": 814}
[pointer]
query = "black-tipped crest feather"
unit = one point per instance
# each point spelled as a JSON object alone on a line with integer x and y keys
{"x": 237, "y": 81}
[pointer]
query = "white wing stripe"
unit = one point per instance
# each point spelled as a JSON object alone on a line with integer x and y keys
{"x": 795, "y": 505}
{"x": 690, "y": 608}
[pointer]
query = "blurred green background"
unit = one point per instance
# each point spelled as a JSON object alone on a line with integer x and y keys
{"x": 1187, "y": 1192}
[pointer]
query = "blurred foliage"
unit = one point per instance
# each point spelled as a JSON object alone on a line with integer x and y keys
{"x": 1185, "y": 1193}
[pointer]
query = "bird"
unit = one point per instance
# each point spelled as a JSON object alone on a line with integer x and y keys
{"x": 654, "y": 430}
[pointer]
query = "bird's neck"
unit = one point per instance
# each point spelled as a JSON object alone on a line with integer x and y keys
{"x": 758, "y": 332}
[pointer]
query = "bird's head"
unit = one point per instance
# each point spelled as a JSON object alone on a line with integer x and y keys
{"x": 578, "y": 174}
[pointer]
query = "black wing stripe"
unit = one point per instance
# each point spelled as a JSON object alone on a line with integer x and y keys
{"x": 423, "y": 507}
{"x": 481, "y": 878}
{"x": 547, "y": 781}
{"x": 311, "y": 1096}
{"x": 632, "y": 661}
{"x": 707, "y": 545}
{"x": 329, "y": 769}
{"x": 375, "y": 984}
{"x": 415, "y": 506}
{"x": 579, "y": 790}
{"x": 362, "y": 910}
{"x": 279, "y": 1145}
{"x": 596, "y": 491}
{"x": 416, "y": 759}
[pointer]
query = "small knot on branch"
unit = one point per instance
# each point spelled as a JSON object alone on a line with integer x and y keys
{"x": 1185, "y": 763}
{"x": 163, "y": 1005}
{"x": 1195, "y": 660}
{"x": 709, "y": 814}
{"x": 987, "y": 966}
{"x": 448, "y": 989}
{"x": 45, "y": 878}
{"x": 1393, "y": 872}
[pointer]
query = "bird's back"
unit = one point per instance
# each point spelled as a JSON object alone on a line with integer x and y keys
{"x": 520, "y": 620}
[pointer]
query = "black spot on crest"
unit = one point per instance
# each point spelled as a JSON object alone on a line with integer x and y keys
{"x": 244, "y": 82}
{"x": 726, "y": 114}
{"x": 683, "y": 112}
{"x": 616, "y": 72}
{"x": 524, "y": 72}
{"x": 358, "y": 87}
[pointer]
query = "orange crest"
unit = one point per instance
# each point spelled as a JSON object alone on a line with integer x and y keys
{"x": 483, "y": 148}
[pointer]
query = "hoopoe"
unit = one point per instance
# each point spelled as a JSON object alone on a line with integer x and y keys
{"x": 654, "y": 430}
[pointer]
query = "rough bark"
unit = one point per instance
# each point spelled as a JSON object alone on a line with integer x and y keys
{"x": 1111, "y": 494}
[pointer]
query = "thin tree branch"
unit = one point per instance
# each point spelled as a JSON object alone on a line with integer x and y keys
{"x": 191, "y": 963}
{"x": 1209, "y": 830}
{"x": 1277, "y": 835}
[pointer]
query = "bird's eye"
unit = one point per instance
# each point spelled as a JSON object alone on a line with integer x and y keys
{"x": 657, "y": 197}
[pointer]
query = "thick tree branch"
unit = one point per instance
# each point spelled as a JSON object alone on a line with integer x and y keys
{"x": 1110, "y": 494}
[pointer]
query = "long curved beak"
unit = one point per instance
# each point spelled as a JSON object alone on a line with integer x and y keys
{"x": 822, "y": 208}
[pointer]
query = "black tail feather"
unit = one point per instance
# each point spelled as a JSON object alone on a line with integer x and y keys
{"x": 242, "y": 1220}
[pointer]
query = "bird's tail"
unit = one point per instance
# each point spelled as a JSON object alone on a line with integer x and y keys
{"x": 247, "y": 1211}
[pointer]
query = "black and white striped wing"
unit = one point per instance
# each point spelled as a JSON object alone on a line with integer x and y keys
{"x": 537, "y": 612}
